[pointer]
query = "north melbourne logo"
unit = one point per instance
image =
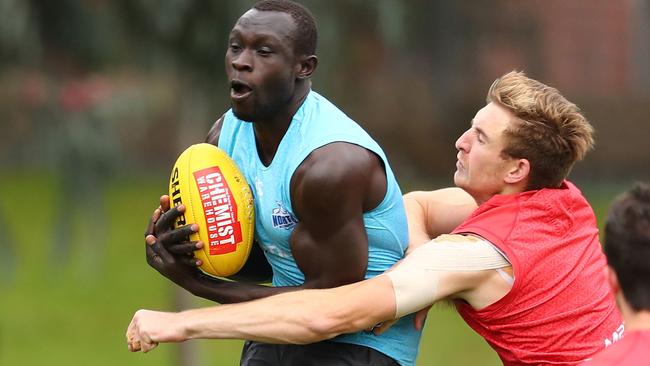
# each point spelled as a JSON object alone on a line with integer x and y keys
{"x": 283, "y": 219}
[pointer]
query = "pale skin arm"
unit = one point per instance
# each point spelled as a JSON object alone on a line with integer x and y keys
{"x": 299, "y": 317}
{"x": 433, "y": 213}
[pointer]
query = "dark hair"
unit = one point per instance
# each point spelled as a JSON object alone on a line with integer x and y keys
{"x": 306, "y": 35}
{"x": 627, "y": 244}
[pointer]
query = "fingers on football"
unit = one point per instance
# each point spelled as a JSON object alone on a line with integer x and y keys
{"x": 177, "y": 236}
{"x": 160, "y": 254}
{"x": 164, "y": 202}
{"x": 186, "y": 248}
{"x": 152, "y": 222}
{"x": 166, "y": 220}
{"x": 190, "y": 261}
{"x": 156, "y": 253}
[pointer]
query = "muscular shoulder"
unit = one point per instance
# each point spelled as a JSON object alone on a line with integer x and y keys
{"x": 343, "y": 170}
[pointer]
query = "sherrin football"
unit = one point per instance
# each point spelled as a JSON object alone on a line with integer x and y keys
{"x": 217, "y": 198}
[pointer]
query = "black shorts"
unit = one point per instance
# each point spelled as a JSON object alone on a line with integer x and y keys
{"x": 324, "y": 353}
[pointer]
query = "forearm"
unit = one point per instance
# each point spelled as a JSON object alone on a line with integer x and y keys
{"x": 417, "y": 220}
{"x": 447, "y": 208}
{"x": 434, "y": 213}
{"x": 258, "y": 321}
{"x": 301, "y": 317}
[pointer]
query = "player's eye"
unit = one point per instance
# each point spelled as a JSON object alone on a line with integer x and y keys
{"x": 264, "y": 51}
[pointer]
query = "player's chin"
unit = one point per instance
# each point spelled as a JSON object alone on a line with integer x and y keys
{"x": 459, "y": 180}
{"x": 242, "y": 112}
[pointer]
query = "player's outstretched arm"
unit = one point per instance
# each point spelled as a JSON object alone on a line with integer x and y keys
{"x": 298, "y": 317}
{"x": 312, "y": 315}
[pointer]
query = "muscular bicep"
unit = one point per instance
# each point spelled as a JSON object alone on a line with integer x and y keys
{"x": 330, "y": 191}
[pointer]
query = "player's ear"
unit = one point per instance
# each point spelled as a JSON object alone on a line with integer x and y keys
{"x": 518, "y": 171}
{"x": 306, "y": 66}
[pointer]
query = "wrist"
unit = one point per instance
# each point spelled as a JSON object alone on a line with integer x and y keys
{"x": 194, "y": 324}
{"x": 184, "y": 325}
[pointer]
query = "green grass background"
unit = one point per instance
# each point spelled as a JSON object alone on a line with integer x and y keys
{"x": 76, "y": 313}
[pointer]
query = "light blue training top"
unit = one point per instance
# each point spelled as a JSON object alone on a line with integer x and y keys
{"x": 317, "y": 123}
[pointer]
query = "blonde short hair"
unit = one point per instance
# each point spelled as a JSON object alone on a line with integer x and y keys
{"x": 548, "y": 130}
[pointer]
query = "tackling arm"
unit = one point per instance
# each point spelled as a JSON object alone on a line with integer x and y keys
{"x": 299, "y": 317}
{"x": 312, "y": 315}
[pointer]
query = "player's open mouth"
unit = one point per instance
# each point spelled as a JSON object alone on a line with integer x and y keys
{"x": 239, "y": 90}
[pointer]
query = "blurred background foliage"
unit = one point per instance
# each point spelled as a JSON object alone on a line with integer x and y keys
{"x": 98, "y": 97}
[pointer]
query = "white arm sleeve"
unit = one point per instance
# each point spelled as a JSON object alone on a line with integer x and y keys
{"x": 415, "y": 279}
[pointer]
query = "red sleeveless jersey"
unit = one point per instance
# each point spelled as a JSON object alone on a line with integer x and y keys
{"x": 560, "y": 309}
{"x": 632, "y": 350}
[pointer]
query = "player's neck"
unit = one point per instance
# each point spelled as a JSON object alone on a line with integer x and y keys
{"x": 634, "y": 320}
{"x": 637, "y": 321}
{"x": 510, "y": 189}
{"x": 269, "y": 132}
{"x": 268, "y": 138}
{"x": 279, "y": 120}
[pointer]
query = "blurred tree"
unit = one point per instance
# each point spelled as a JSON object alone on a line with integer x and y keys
{"x": 75, "y": 36}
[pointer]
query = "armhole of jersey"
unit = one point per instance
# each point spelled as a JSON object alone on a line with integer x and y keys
{"x": 510, "y": 279}
{"x": 348, "y": 139}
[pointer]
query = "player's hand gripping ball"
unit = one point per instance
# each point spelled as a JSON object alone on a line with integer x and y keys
{"x": 218, "y": 199}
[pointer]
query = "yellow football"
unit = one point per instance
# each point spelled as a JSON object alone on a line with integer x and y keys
{"x": 218, "y": 198}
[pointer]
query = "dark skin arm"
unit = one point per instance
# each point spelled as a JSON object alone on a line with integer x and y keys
{"x": 330, "y": 191}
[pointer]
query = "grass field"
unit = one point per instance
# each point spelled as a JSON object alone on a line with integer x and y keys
{"x": 75, "y": 311}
